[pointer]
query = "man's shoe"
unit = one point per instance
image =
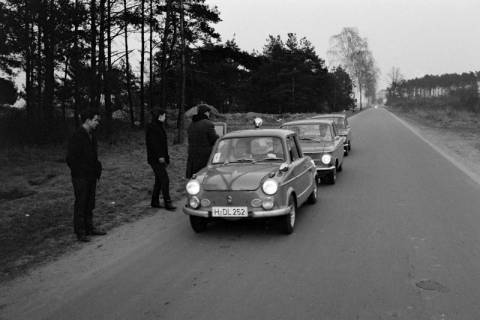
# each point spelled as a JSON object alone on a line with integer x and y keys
{"x": 83, "y": 238}
{"x": 97, "y": 233}
{"x": 170, "y": 207}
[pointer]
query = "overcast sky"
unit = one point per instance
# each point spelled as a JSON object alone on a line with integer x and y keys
{"x": 419, "y": 37}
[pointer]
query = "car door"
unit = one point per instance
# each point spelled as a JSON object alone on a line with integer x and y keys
{"x": 302, "y": 169}
{"x": 349, "y": 130}
{"x": 338, "y": 144}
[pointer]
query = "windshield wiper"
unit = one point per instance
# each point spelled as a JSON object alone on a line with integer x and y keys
{"x": 271, "y": 159}
{"x": 311, "y": 139}
{"x": 243, "y": 160}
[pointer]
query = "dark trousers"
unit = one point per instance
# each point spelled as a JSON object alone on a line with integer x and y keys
{"x": 162, "y": 183}
{"x": 84, "y": 190}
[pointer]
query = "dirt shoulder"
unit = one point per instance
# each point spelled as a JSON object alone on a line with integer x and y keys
{"x": 456, "y": 134}
{"x": 36, "y": 195}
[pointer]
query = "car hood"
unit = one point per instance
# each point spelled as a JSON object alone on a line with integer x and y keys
{"x": 236, "y": 177}
{"x": 317, "y": 147}
{"x": 343, "y": 132}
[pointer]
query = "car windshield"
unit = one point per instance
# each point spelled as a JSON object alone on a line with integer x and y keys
{"x": 339, "y": 121}
{"x": 317, "y": 132}
{"x": 248, "y": 150}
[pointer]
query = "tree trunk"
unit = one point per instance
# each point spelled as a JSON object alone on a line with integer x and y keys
{"x": 151, "y": 81}
{"x": 76, "y": 67}
{"x": 64, "y": 100}
{"x": 142, "y": 68}
{"x": 93, "y": 54}
{"x": 101, "y": 57}
{"x": 181, "y": 108}
{"x": 106, "y": 79}
{"x": 28, "y": 60}
{"x": 163, "y": 62}
{"x": 49, "y": 43}
{"x": 129, "y": 87}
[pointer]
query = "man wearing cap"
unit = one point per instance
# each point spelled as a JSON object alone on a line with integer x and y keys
{"x": 158, "y": 159}
{"x": 201, "y": 138}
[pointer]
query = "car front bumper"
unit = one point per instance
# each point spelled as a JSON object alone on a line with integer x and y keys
{"x": 323, "y": 171}
{"x": 251, "y": 214}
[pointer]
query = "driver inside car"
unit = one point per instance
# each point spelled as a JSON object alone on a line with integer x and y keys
{"x": 241, "y": 151}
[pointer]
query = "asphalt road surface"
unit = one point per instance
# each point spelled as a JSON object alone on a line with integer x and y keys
{"x": 397, "y": 237}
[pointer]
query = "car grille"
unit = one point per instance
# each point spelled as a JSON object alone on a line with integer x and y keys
{"x": 315, "y": 156}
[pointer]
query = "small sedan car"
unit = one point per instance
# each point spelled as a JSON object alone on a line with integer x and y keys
{"x": 320, "y": 140}
{"x": 256, "y": 173}
{"x": 343, "y": 127}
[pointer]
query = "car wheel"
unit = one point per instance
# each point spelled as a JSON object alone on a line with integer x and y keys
{"x": 314, "y": 195}
{"x": 340, "y": 168}
{"x": 332, "y": 177}
{"x": 349, "y": 146}
{"x": 345, "y": 152}
{"x": 289, "y": 219}
{"x": 198, "y": 224}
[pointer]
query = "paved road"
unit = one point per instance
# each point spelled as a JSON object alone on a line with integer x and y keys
{"x": 398, "y": 237}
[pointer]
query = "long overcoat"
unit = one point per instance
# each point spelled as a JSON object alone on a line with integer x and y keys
{"x": 157, "y": 144}
{"x": 201, "y": 138}
{"x": 82, "y": 157}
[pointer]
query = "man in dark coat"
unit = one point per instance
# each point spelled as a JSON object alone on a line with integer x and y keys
{"x": 201, "y": 138}
{"x": 85, "y": 170}
{"x": 158, "y": 158}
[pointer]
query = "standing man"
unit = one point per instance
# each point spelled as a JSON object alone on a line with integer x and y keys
{"x": 82, "y": 158}
{"x": 158, "y": 159}
{"x": 201, "y": 138}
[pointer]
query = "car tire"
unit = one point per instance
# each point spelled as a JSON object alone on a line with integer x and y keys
{"x": 198, "y": 224}
{"x": 340, "y": 168}
{"x": 332, "y": 176}
{"x": 349, "y": 146}
{"x": 345, "y": 152}
{"x": 289, "y": 219}
{"x": 312, "y": 199}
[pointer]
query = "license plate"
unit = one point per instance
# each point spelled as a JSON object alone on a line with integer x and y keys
{"x": 229, "y": 212}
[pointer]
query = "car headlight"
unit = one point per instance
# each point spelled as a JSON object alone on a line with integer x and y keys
{"x": 326, "y": 159}
{"x": 194, "y": 202}
{"x": 270, "y": 187}
{"x": 193, "y": 187}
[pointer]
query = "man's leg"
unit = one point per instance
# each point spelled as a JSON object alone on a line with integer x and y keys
{"x": 156, "y": 187}
{"x": 165, "y": 187}
{"x": 80, "y": 190}
{"x": 91, "y": 189}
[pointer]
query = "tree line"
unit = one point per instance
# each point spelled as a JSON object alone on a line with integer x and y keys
{"x": 461, "y": 90}
{"x": 132, "y": 55}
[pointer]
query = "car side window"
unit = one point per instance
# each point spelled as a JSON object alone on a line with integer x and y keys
{"x": 334, "y": 130}
{"x": 292, "y": 148}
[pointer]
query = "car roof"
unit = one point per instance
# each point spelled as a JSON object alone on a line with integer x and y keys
{"x": 330, "y": 115}
{"x": 281, "y": 133}
{"x": 308, "y": 121}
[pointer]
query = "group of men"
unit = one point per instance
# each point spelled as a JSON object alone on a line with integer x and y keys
{"x": 86, "y": 169}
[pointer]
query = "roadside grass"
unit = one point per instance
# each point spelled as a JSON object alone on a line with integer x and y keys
{"x": 445, "y": 117}
{"x": 36, "y": 195}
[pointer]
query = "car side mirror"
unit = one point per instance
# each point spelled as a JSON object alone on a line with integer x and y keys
{"x": 284, "y": 167}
